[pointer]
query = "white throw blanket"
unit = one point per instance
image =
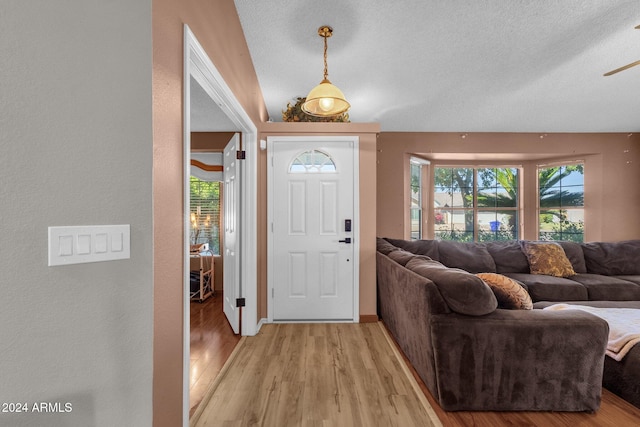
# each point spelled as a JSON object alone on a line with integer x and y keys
{"x": 624, "y": 326}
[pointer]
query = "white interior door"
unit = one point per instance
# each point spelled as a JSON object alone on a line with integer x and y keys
{"x": 313, "y": 212}
{"x": 231, "y": 270}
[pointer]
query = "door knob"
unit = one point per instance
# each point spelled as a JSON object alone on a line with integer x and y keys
{"x": 346, "y": 240}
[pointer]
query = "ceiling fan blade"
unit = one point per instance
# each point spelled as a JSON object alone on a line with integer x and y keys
{"x": 638, "y": 27}
{"x": 617, "y": 70}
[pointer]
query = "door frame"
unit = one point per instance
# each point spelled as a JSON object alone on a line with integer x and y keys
{"x": 355, "y": 140}
{"x": 198, "y": 65}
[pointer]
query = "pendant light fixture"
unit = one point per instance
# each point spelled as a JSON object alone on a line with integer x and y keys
{"x": 325, "y": 100}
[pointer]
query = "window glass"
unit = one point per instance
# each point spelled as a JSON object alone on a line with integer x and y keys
{"x": 313, "y": 161}
{"x": 476, "y": 204}
{"x": 561, "y": 201}
{"x": 204, "y": 213}
{"x": 416, "y": 200}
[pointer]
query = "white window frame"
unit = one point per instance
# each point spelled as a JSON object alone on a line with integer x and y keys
{"x": 423, "y": 196}
{"x": 518, "y": 209}
{"x": 570, "y": 208}
{"x": 207, "y": 218}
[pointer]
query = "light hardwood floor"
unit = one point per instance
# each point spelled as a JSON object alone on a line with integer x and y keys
{"x": 212, "y": 341}
{"x": 319, "y": 374}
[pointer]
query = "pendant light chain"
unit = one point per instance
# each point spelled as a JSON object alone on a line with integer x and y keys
{"x": 326, "y": 71}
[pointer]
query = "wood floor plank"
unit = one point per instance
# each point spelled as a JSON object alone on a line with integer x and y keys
{"x": 316, "y": 375}
{"x": 212, "y": 341}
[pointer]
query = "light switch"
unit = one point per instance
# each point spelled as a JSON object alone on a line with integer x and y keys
{"x": 66, "y": 245}
{"x": 90, "y": 243}
{"x": 116, "y": 242}
{"x": 101, "y": 243}
{"x": 84, "y": 244}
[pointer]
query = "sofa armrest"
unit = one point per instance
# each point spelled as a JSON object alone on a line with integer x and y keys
{"x": 519, "y": 360}
{"x": 406, "y": 301}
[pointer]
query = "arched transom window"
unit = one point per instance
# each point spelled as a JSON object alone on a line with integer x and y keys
{"x": 313, "y": 161}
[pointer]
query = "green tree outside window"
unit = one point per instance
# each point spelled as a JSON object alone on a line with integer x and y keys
{"x": 204, "y": 215}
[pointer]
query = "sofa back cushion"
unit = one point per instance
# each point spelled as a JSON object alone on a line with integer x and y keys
{"x": 418, "y": 247}
{"x": 612, "y": 258}
{"x": 464, "y": 292}
{"x": 508, "y": 257}
{"x": 574, "y": 252}
{"x": 401, "y": 256}
{"x": 384, "y": 247}
{"x": 471, "y": 257}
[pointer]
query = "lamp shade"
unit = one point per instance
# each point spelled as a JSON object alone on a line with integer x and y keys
{"x": 325, "y": 100}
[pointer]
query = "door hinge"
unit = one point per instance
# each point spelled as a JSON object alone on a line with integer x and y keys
{"x": 241, "y": 154}
{"x": 240, "y": 302}
{"x": 273, "y": 292}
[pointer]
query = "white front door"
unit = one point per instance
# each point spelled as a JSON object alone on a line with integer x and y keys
{"x": 231, "y": 201}
{"x": 313, "y": 247}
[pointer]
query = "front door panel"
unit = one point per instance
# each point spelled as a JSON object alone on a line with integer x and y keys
{"x": 312, "y": 197}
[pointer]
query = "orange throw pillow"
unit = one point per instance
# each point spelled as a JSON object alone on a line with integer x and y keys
{"x": 509, "y": 293}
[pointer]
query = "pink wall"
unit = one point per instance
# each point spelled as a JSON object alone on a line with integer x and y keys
{"x": 217, "y": 28}
{"x": 612, "y": 173}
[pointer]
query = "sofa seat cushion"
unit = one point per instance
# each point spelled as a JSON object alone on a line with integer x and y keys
{"x": 607, "y": 288}
{"x": 510, "y": 293}
{"x": 463, "y": 292}
{"x": 547, "y": 258}
{"x": 602, "y": 304}
{"x": 612, "y": 258}
{"x": 471, "y": 257}
{"x": 635, "y": 278}
{"x": 550, "y": 288}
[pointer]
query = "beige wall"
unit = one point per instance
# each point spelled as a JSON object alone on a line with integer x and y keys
{"x": 217, "y": 27}
{"x": 612, "y": 174}
{"x": 75, "y": 150}
{"x": 367, "y": 134}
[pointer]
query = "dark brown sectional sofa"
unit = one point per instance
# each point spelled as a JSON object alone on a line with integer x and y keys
{"x": 473, "y": 355}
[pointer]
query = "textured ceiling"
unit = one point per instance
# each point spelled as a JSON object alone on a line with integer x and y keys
{"x": 455, "y": 66}
{"x": 206, "y": 115}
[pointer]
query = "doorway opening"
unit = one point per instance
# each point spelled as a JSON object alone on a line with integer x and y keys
{"x": 204, "y": 87}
